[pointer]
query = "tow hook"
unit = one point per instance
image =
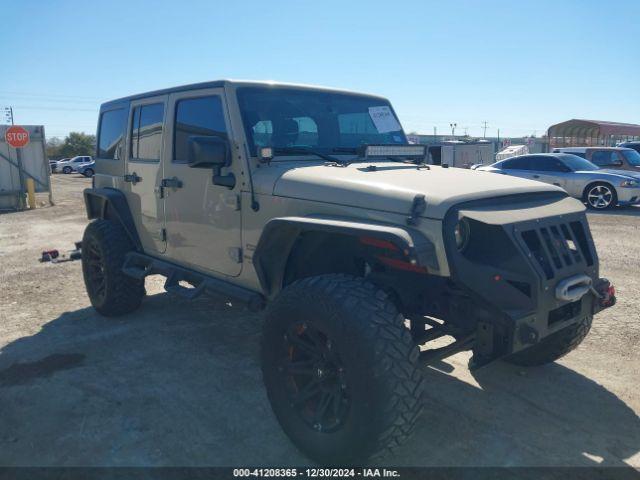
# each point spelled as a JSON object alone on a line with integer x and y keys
{"x": 605, "y": 292}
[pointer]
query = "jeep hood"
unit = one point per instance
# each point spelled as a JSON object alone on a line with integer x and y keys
{"x": 392, "y": 187}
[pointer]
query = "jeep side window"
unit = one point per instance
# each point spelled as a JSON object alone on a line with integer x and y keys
{"x": 202, "y": 116}
{"x": 113, "y": 124}
{"x": 146, "y": 132}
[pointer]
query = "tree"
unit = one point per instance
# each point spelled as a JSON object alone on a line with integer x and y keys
{"x": 53, "y": 148}
{"x": 78, "y": 143}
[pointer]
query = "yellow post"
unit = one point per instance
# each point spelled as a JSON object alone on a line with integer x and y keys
{"x": 31, "y": 193}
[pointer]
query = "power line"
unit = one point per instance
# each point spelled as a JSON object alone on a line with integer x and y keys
{"x": 32, "y": 107}
{"x": 50, "y": 100}
{"x": 50, "y": 95}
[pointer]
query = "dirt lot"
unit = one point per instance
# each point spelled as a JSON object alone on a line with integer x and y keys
{"x": 179, "y": 384}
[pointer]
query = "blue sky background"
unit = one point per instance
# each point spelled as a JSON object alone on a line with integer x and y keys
{"x": 519, "y": 65}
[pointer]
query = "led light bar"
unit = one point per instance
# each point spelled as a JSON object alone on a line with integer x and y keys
{"x": 395, "y": 151}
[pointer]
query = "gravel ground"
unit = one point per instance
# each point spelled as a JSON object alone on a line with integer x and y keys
{"x": 178, "y": 383}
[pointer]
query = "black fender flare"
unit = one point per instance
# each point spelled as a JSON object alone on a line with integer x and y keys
{"x": 111, "y": 204}
{"x": 280, "y": 234}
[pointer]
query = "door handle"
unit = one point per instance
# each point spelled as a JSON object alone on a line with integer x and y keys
{"x": 132, "y": 178}
{"x": 536, "y": 176}
{"x": 557, "y": 184}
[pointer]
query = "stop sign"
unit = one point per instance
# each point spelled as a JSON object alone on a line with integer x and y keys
{"x": 16, "y": 136}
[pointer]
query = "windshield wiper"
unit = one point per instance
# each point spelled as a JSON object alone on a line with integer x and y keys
{"x": 308, "y": 151}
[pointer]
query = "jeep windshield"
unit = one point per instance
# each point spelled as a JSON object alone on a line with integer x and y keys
{"x": 299, "y": 121}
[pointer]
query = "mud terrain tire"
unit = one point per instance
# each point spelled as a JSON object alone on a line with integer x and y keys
{"x": 374, "y": 381}
{"x": 111, "y": 292}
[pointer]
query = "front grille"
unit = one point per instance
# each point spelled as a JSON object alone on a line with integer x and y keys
{"x": 556, "y": 247}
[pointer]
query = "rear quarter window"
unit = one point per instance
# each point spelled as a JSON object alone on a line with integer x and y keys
{"x": 111, "y": 131}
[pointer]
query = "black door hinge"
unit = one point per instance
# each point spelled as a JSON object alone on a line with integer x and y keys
{"x": 163, "y": 234}
{"x": 168, "y": 183}
{"x": 173, "y": 182}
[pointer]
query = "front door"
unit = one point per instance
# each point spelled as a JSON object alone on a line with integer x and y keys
{"x": 143, "y": 171}
{"x": 550, "y": 170}
{"x": 202, "y": 219}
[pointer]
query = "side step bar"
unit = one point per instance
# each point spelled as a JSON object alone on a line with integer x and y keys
{"x": 139, "y": 266}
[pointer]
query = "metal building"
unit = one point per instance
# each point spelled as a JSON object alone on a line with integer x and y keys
{"x": 587, "y": 133}
{"x": 19, "y": 164}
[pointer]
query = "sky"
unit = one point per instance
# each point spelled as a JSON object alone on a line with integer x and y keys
{"x": 520, "y": 66}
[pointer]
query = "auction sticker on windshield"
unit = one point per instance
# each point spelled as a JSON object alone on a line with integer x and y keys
{"x": 384, "y": 119}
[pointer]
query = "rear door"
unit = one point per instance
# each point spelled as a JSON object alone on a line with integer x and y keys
{"x": 143, "y": 170}
{"x": 202, "y": 219}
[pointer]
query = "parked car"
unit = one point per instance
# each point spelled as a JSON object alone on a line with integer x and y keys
{"x": 316, "y": 208}
{"x": 596, "y": 187}
{"x": 87, "y": 169}
{"x": 634, "y": 145}
{"x": 70, "y": 165}
{"x": 54, "y": 163}
{"x": 614, "y": 158}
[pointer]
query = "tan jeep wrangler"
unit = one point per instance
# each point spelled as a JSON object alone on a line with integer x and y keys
{"x": 310, "y": 203}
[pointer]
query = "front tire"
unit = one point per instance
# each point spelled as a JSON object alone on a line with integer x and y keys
{"x": 600, "y": 196}
{"x": 66, "y": 170}
{"x": 554, "y": 346}
{"x": 111, "y": 292}
{"x": 340, "y": 369}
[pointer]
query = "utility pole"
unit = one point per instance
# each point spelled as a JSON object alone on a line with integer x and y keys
{"x": 453, "y": 129}
{"x": 498, "y": 136}
{"x": 466, "y": 130}
{"x": 484, "y": 129}
{"x": 435, "y": 131}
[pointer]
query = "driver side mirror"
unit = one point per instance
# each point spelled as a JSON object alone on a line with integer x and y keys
{"x": 211, "y": 152}
{"x": 208, "y": 152}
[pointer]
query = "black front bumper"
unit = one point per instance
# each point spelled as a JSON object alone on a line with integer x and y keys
{"x": 510, "y": 272}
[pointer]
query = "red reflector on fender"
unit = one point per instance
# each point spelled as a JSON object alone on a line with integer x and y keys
{"x": 401, "y": 265}
{"x": 376, "y": 242}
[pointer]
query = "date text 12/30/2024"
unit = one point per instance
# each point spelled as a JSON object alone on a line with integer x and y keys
{"x": 315, "y": 473}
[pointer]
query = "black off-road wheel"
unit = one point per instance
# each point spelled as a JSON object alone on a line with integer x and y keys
{"x": 111, "y": 292}
{"x": 340, "y": 369}
{"x": 554, "y": 346}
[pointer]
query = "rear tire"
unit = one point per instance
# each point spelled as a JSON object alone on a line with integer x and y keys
{"x": 554, "y": 346}
{"x": 88, "y": 172}
{"x": 104, "y": 247}
{"x": 359, "y": 394}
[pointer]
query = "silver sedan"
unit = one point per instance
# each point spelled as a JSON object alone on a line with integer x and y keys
{"x": 598, "y": 188}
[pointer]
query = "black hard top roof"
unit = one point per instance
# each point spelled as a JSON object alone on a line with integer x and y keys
{"x": 222, "y": 83}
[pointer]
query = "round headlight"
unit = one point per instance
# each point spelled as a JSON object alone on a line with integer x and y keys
{"x": 461, "y": 234}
